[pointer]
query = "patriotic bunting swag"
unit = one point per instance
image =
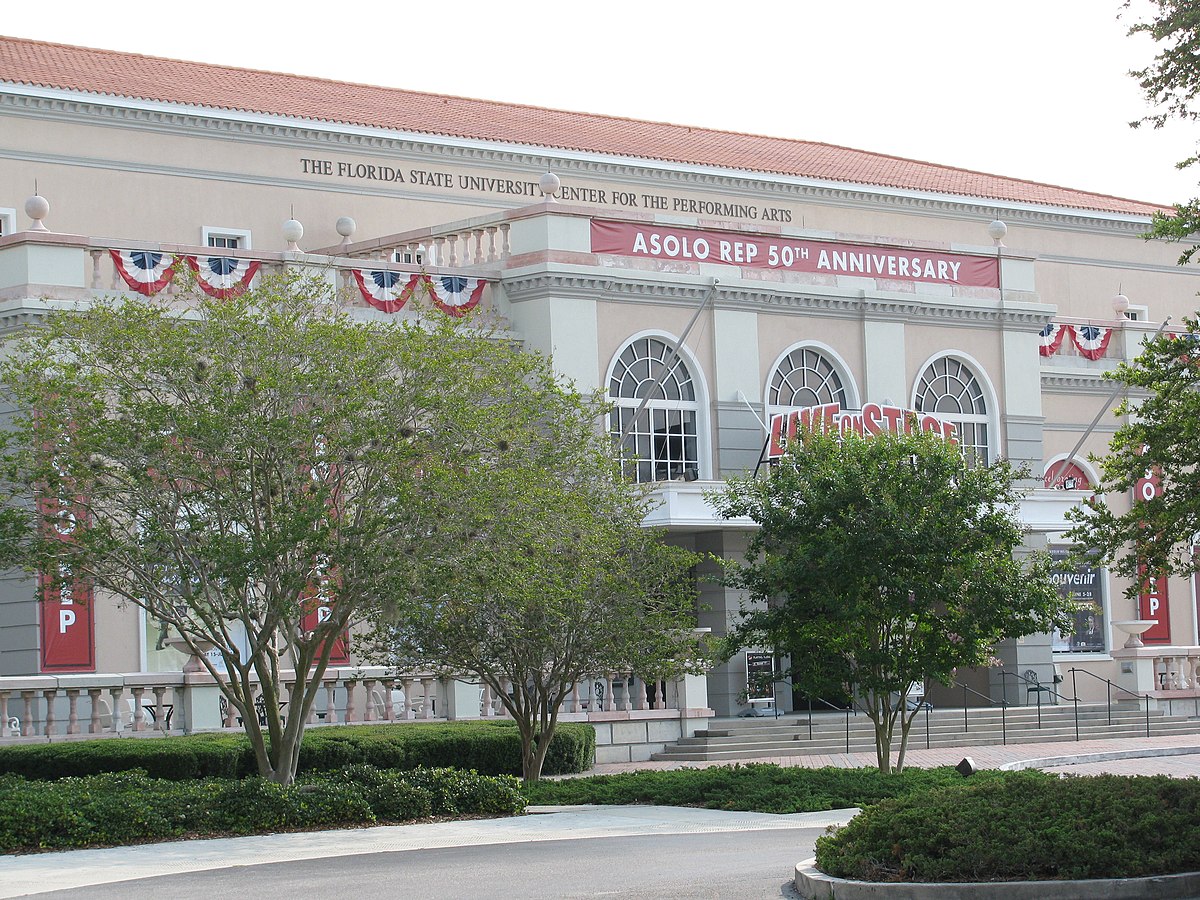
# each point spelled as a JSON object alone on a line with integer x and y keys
{"x": 145, "y": 271}
{"x": 453, "y": 294}
{"x": 389, "y": 291}
{"x": 1052, "y": 338}
{"x": 223, "y": 276}
{"x": 386, "y": 291}
{"x": 1091, "y": 340}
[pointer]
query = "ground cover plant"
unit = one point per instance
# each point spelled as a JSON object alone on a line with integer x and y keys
{"x": 1023, "y": 826}
{"x": 491, "y": 748}
{"x": 758, "y": 787}
{"x": 131, "y": 807}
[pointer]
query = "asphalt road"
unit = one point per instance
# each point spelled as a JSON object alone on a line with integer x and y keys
{"x": 744, "y": 864}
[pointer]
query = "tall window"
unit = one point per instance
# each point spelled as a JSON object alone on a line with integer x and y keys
{"x": 661, "y": 439}
{"x": 805, "y": 378}
{"x": 951, "y": 391}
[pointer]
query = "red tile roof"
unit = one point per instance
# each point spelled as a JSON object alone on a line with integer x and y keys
{"x": 220, "y": 87}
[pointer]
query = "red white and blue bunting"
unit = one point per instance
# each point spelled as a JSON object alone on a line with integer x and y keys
{"x": 223, "y": 277}
{"x": 1052, "y": 338}
{"x": 145, "y": 271}
{"x": 1091, "y": 340}
{"x": 388, "y": 291}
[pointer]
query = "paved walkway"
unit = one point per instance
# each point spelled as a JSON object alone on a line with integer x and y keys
{"x": 39, "y": 873}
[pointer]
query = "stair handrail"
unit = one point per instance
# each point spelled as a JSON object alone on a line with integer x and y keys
{"x": 853, "y": 706}
{"x": 1108, "y": 696}
{"x": 1042, "y": 688}
{"x": 1003, "y": 704}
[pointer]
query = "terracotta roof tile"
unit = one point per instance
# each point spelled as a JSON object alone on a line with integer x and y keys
{"x": 151, "y": 78}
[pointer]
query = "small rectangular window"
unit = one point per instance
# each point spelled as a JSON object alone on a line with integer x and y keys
{"x": 409, "y": 257}
{"x": 1137, "y": 314}
{"x": 225, "y": 238}
{"x": 8, "y": 221}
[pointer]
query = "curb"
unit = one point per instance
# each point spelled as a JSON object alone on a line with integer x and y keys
{"x": 814, "y": 885}
{"x": 1083, "y": 758}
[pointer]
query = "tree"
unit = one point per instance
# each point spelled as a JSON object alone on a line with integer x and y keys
{"x": 246, "y": 470}
{"x": 882, "y": 561}
{"x": 1170, "y": 84}
{"x": 543, "y": 576}
{"x": 1159, "y": 441}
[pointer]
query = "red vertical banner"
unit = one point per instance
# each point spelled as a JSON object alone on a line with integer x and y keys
{"x": 318, "y": 607}
{"x": 1152, "y": 593}
{"x": 68, "y": 626}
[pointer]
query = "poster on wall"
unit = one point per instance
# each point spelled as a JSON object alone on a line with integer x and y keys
{"x": 67, "y": 626}
{"x": 1082, "y": 584}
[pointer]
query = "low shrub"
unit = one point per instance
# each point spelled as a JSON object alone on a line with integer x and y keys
{"x": 758, "y": 787}
{"x": 131, "y": 807}
{"x": 1025, "y": 826}
{"x": 493, "y": 748}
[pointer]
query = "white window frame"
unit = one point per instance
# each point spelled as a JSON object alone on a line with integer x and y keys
{"x": 8, "y": 221}
{"x": 1137, "y": 314}
{"x": 849, "y": 387}
{"x": 242, "y": 235}
{"x": 991, "y": 402}
{"x": 418, "y": 257}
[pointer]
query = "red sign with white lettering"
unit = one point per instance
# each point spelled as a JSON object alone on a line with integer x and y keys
{"x": 873, "y": 418}
{"x": 68, "y": 629}
{"x": 1152, "y": 598}
{"x": 793, "y": 254}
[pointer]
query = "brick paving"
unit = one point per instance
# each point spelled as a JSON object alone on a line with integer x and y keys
{"x": 1139, "y": 756}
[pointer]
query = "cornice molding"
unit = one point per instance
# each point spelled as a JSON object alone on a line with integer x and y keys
{"x": 789, "y": 298}
{"x": 169, "y": 118}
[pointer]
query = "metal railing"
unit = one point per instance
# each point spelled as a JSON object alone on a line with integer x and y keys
{"x": 1003, "y": 704}
{"x": 853, "y": 707}
{"x": 1146, "y": 698}
{"x": 1034, "y": 686}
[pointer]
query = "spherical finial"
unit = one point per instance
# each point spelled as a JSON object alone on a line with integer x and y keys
{"x": 37, "y": 208}
{"x": 292, "y": 232}
{"x": 345, "y": 226}
{"x": 996, "y": 231}
{"x": 1120, "y": 304}
{"x": 550, "y": 184}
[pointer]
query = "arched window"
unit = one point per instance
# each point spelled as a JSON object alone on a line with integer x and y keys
{"x": 805, "y": 377}
{"x": 660, "y": 439}
{"x": 951, "y": 391}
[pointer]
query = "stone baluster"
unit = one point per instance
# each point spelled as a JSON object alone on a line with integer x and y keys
{"x": 160, "y": 716}
{"x": 116, "y": 697}
{"x": 49, "y": 695}
{"x": 576, "y": 701}
{"x": 505, "y": 245}
{"x": 437, "y": 243}
{"x": 368, "y": 689}
{"x": 351, "y": 687}
{"x": 478, "y": 235}
{"x": 389, "y": 703}
{"x": 27, "y": 718}
{"x": 331, "y": 716}
{"x": 5, "y": 730}
{"x": 97, "y": 255}
{"x": 94, "y": 726}
{"x": 139, "y": 715}
{"x": 230, "y": 714}
{"x": 72, "y": 710}
{"x": 428, "y": 686}
{"x": 452, "y": 250}
{"x": 491, "y": 235}
{"x": 640, "y": 691}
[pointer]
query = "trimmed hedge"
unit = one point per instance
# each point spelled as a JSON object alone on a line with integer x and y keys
{"x": 758, "y": 787}
{"x": 492, "y": 748}
{"x": 131, "y": 807}
{"x": 1025, "y": 826}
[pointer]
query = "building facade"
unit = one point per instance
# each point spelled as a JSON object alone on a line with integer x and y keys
{"x": 727, "y": 277}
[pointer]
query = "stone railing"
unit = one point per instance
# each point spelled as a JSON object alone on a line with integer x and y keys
{"x": 471, "y": 242}
{"x": 54, "y": 707}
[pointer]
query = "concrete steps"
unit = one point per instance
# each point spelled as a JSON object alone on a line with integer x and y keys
{"x": 790, "y": 735}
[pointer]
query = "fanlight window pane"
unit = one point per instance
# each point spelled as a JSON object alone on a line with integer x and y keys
{"x": 661, "y": 440}
{"x": 951, "y": 390}
{"x": 805, "y": 378}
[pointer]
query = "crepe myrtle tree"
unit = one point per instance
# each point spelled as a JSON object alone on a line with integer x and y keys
{"x": 229, "y": 465}
{"x": 540, "y": 575}
{"x": 880, "y": 562}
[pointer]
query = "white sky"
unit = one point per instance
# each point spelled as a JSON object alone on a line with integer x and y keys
{"x": 1034, "y": 89}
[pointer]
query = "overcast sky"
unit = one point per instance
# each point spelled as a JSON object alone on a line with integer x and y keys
{"x": 1034, "y": 89}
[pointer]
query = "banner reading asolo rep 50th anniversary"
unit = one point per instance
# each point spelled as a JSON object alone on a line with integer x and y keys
{"x": 794, "y": 254}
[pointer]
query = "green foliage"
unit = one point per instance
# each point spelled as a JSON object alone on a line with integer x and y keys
{"x": 757, "y": 787}
{"x": 1025, "y": 826}
{"x": 232, "y": 465}
{"x": 493, "y": 748}
{"x": 130, "y": 807}
{"x": 883, "y": 561}
{"x": 542, "y": 574}
{"x": 1159, "y": 435}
